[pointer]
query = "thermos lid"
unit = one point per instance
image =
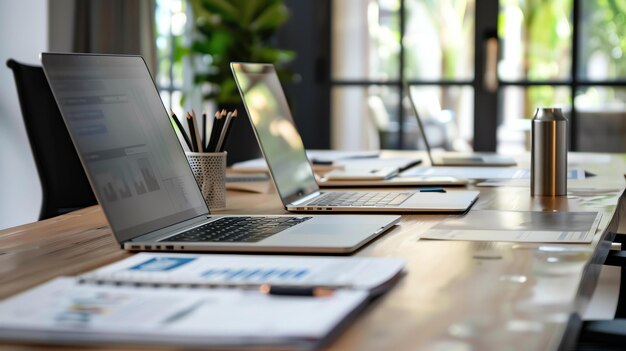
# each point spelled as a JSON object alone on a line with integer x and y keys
{"x": 549, "y": 114}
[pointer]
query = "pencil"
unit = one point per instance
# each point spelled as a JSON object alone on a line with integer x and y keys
{"x": 215, "y": 132}
{"x": 220, "y": 141}
{"x": 192, "y": 133}
{"x": 203, "y": 132}
{"x": 196, "y": 130}
{"x": 181, "y": 130}
{"x": 228, "y": 126}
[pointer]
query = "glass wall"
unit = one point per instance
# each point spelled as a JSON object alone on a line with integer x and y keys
{"x": 538, "y": 53}
{"x": 171, "y": 22}
{"x": 378, "y": 44}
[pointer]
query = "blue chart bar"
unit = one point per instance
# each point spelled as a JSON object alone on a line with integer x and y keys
{"x": 228, "y": 274}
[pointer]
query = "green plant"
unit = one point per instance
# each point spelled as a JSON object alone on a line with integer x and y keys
{"x": 236, "y": 30}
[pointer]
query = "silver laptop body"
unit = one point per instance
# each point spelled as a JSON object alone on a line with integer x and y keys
{"x": 477, "y": 159}
{"x": 291, "y": 171}
{"x": 141, "y": 178}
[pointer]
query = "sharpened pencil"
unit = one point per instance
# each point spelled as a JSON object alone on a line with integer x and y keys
{"x": 196, "y": 129}
{"x": 203, "y": 132}
{"x": 192, "y": 133}
{"x": 215, "y": 132}
{"x": 220, "y": 140}
{"x": 181, "y": 130}
{"x": 228, "y": 126}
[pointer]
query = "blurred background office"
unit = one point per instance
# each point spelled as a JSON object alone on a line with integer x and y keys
{"x": 477, "y": 68}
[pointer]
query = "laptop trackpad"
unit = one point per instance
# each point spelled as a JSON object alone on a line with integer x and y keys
{"x": 452, "y": 200}
{"x": 467, "y": 159}
{"x": 330, "y": 231}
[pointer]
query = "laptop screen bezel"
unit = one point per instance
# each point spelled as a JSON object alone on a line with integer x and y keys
{"x": 420, "y": 125}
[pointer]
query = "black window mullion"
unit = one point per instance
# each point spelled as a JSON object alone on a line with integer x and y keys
{"x": 400, "y": 86}
{"x": 396, "y": 82}
{"x": 573, "y": 136}
{"x": 485, "y": 102}
{"x": 170, "y": 88}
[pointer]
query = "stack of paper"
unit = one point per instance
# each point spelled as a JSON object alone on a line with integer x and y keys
{"x": 324, "y": 161}
{"x": 201, "y": 300}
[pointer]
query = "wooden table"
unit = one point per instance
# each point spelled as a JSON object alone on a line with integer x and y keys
{"x": 456, "y": 295}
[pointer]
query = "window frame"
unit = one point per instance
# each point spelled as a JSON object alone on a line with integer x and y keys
{"x": 487, "y": 114}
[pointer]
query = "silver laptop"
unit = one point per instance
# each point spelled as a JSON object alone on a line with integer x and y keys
{"x": 141, "y": 178}
{"x": 291, "y": 171}
{"x": 491, "y": 160}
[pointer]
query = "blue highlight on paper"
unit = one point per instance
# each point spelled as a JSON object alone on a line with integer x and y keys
{"x": 223, "y": 274}
{"x": 228, "y": 274}
{"x": 161, "y": 264}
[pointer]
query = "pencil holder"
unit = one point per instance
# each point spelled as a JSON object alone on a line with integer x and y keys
{"x": 209, "y": 168}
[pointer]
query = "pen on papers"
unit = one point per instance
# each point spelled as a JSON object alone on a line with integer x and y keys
{"x": 196, "y": 130}
{"x": 178, "y": 315}
{"x": 192, "y": 133}
{"x": 409, "y": 165}
{"x": 180, "y": 128}
{"x": 228, "y": 125}
{"x": 295, "y": 290}
{"x": 316, "y": 161}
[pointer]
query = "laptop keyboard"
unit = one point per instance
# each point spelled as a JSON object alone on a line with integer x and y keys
{"x": 361, "y": 199}
{"x": 238, "y": 229}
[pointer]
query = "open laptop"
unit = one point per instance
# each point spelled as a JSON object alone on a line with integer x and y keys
{"x": 291, "y": 171}
{"x": 491, "y": 160}
{"x": 141, "y": 178}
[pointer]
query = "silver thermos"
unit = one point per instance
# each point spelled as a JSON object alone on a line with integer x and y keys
{"x": 548, "y": 163}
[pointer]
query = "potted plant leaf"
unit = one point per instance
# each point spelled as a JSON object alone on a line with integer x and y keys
{"x": 227, "y": 31}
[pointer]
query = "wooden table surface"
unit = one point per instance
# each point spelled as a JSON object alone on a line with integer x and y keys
{"x": 455, "y": 296}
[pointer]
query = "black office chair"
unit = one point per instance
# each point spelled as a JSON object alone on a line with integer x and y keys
{"x": 63, "y": 180}
{"x": 608, "y": 335}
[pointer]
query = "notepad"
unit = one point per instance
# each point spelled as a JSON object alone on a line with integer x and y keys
{"x": 377, "y": 173}
{"x": 482, "y": 172}
{"x": 518, "y": 226}
{"x": 197, "y": 300}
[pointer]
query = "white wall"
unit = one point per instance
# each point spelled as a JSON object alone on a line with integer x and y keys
{"x": 23, "y": 35}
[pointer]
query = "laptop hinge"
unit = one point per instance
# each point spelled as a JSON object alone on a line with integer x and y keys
{"x": 306, "y": 199}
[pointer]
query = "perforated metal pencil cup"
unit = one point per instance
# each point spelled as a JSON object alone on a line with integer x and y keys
{"x": 209, "y": 168}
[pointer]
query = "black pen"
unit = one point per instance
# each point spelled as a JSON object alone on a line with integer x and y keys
{"x": 310, "y": 291}
{"x": 409, "y": 165}
{"x": 316, "y": 161}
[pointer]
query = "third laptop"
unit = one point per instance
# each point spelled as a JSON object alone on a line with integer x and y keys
{"x": 490, "y": 159}
{"x": 291, "y": 171}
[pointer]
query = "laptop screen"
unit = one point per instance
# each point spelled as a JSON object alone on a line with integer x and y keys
{"x": 278, "y": 137}
{"x": 123, "y": 135}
